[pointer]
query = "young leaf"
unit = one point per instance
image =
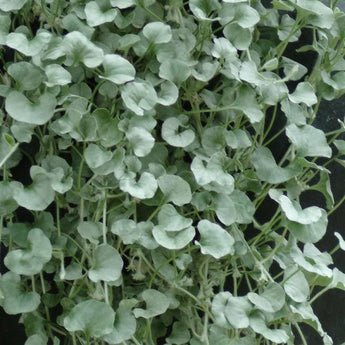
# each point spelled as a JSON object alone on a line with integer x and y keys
{"x": 296, "y": 285}
{"x": 168, "y": 93}
{"x": 107, "y": 264}
{"x": 156, "y": 304}
{"x": 214, "y": 240}
{"x": 78, "y": 48}
{"x": 36, "y": 197}
{"x": 309, "y": 141}
{"x": 117, "y": 69}
{"x": 157, "y": 32}
{"x": 38, "y": 113}
{"x": 16, "y": 301}
{"x": 124, "y": 327}
{"x": 172, "y": 135}
{"x": 96, "y": 16}
{"x": 144, "y": 188}
{"x": 175, "y": 189}
{"x": 31, "y": 260}
{"x": 93, "y": 317}
{"x": 57, "y": 75}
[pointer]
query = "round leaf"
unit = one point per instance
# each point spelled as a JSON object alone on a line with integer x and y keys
{"x": 173, "y": 240}
{"x": 141, "y": 140}
{"x": 156, "y": 304}
{"x": 117, "y": 69}
{"x": 107, "y": 264}
{"x": 21, "y": 109}
{"x": 157, "y": 32}
{"x": 144, "y": 188}
{"x": 92, "y": 317}
{"x": 96, "y": 16}
{"x": 12, "y": 5}
{"x": 57, "y": 75}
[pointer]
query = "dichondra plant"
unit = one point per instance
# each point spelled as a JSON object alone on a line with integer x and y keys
{"x": 138, "y": 149}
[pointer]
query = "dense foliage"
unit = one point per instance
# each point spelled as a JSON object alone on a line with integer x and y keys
{"x": 149, "y": 130}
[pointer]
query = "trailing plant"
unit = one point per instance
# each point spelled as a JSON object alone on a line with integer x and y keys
{"x": 141, "y": 143}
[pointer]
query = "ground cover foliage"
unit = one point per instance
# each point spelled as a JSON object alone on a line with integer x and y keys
{"x": 149, "y": 130}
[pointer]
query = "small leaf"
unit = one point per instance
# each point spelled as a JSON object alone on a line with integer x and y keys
{"x": 93, "y": 317}
{"x": 177, "y": 71}
{"x": 141, "y": 141}
{"x": 21, "y": 109}
{"x": 12, "y": 5}
{"x": 268, "y": 170}
{"x": 7, "y": 202}
{"x": 107, "y": 264}
{"x": 31, "y": 260}
{"x": 124, "y": 327}
{"x": 78, "y": 48}
{"x": 237, "y": 310}
{"x": 168, "y": 93}
{"x": 96, "y": 157}
{"x": 304, "y": 93}
{"x": 214, "y": 240}
{"x": 341, "y": 240}
{"x": 117, "y": 69}
{"x": 225, "y": 209}
{"x": 156, "y": 304}
{"x": 309, "y": 141}
{"x": 57, "y": 75}
{"x": 173, "y": 240}
{"x": 36, "y": 197}
{"x": 139, "y": 96}
{"x": 172, "y": 135}
{"x": 175, "y": 189}
{"x": 296, "y": 285}
{"x": 126, "y": 229}
{"x": 26, "y": 75}
{"x": 179, "y": 334}
{"x": 16, "y": 301}
{"x": 157, "y": 32}
{"x": 170, "y": 220}
{"x": 91, "y": 231}
{"x": 96, "y": 16}
{"x": 144, "y": 188}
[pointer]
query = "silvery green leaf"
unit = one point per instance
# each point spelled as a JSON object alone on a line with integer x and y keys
{"x": 219, "y": 303}
{"x": 244, "y": 208}
{"x": 78, "y": 48}
{"x": 270, "y": 300}
{"x": 38, "y": 113}
{"x": 15, "y": 300}
{"x": 293, "y": 69}
{"x": 309, "y": 141}
{"x": 287, "y": 30}
{"x": 258, "y": 324}
{"x": 172, "y": 135}
{"x": 224, "y": 49}
{"x": 156, "y": 304}
{"x": 141, "y": 141}
{"x": 139, "y": 96}
{"x": 309, "y": 233}
{"x": 26, "y": 75}
{"x": 122, "y": 4}
{"x": 214, "y": 240}
{"x": 20, "y": 42}
{"x": 71, "y": 23}
{"x": 213, "y": 139}
{"x": 293, "y": 210}
{"x": 225, "y": 209}
{"x": 117, "y": 69}
{"x": 177, "y": 71}
{"x": 237, "y": 310}
{"x": 304, "y": 93}
{"x": 91, "y": 231}
{"x": 246, "y": 102}
{"x": 268, "y": 170}
{"x": 144, "y": 188}
{"x": 126, "y": 229}
{"x": 37, "y": 339}
{"x": 73, "y": 271}
{"x": 95, "y": 15}
{"x": 36, "y": 197}
{"x": 175, "y": 189}
{"x": 5, "y": 24}
{"x": 170, "y": 220}
{"x": 157, "y": 32}
{"x": 341, "y": 240}
{"x": 296, "y": 285}
{"x": 173, "y": 240}
{"x": 205, "y": 71}
{"x": 237, "y": 139}
{"x": 107, "y": 265}
{"x": 8, "y": 6}
{"x": 203, "y": 9}
{"x": 57, "y": 75}
{"x": 242, "y": 14}
{"x": 294, "y": 112}
{"x": 179, "y": 334}
{"x": 92, "y": 317}
{"x": 7, "y": 202}
{"x": 95, "y": 156}
{"x": 168, "y": 93}
{"x": 124, "y": 327}
{"x": 240, "y": 37}
{"x": 31, "y": 260}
